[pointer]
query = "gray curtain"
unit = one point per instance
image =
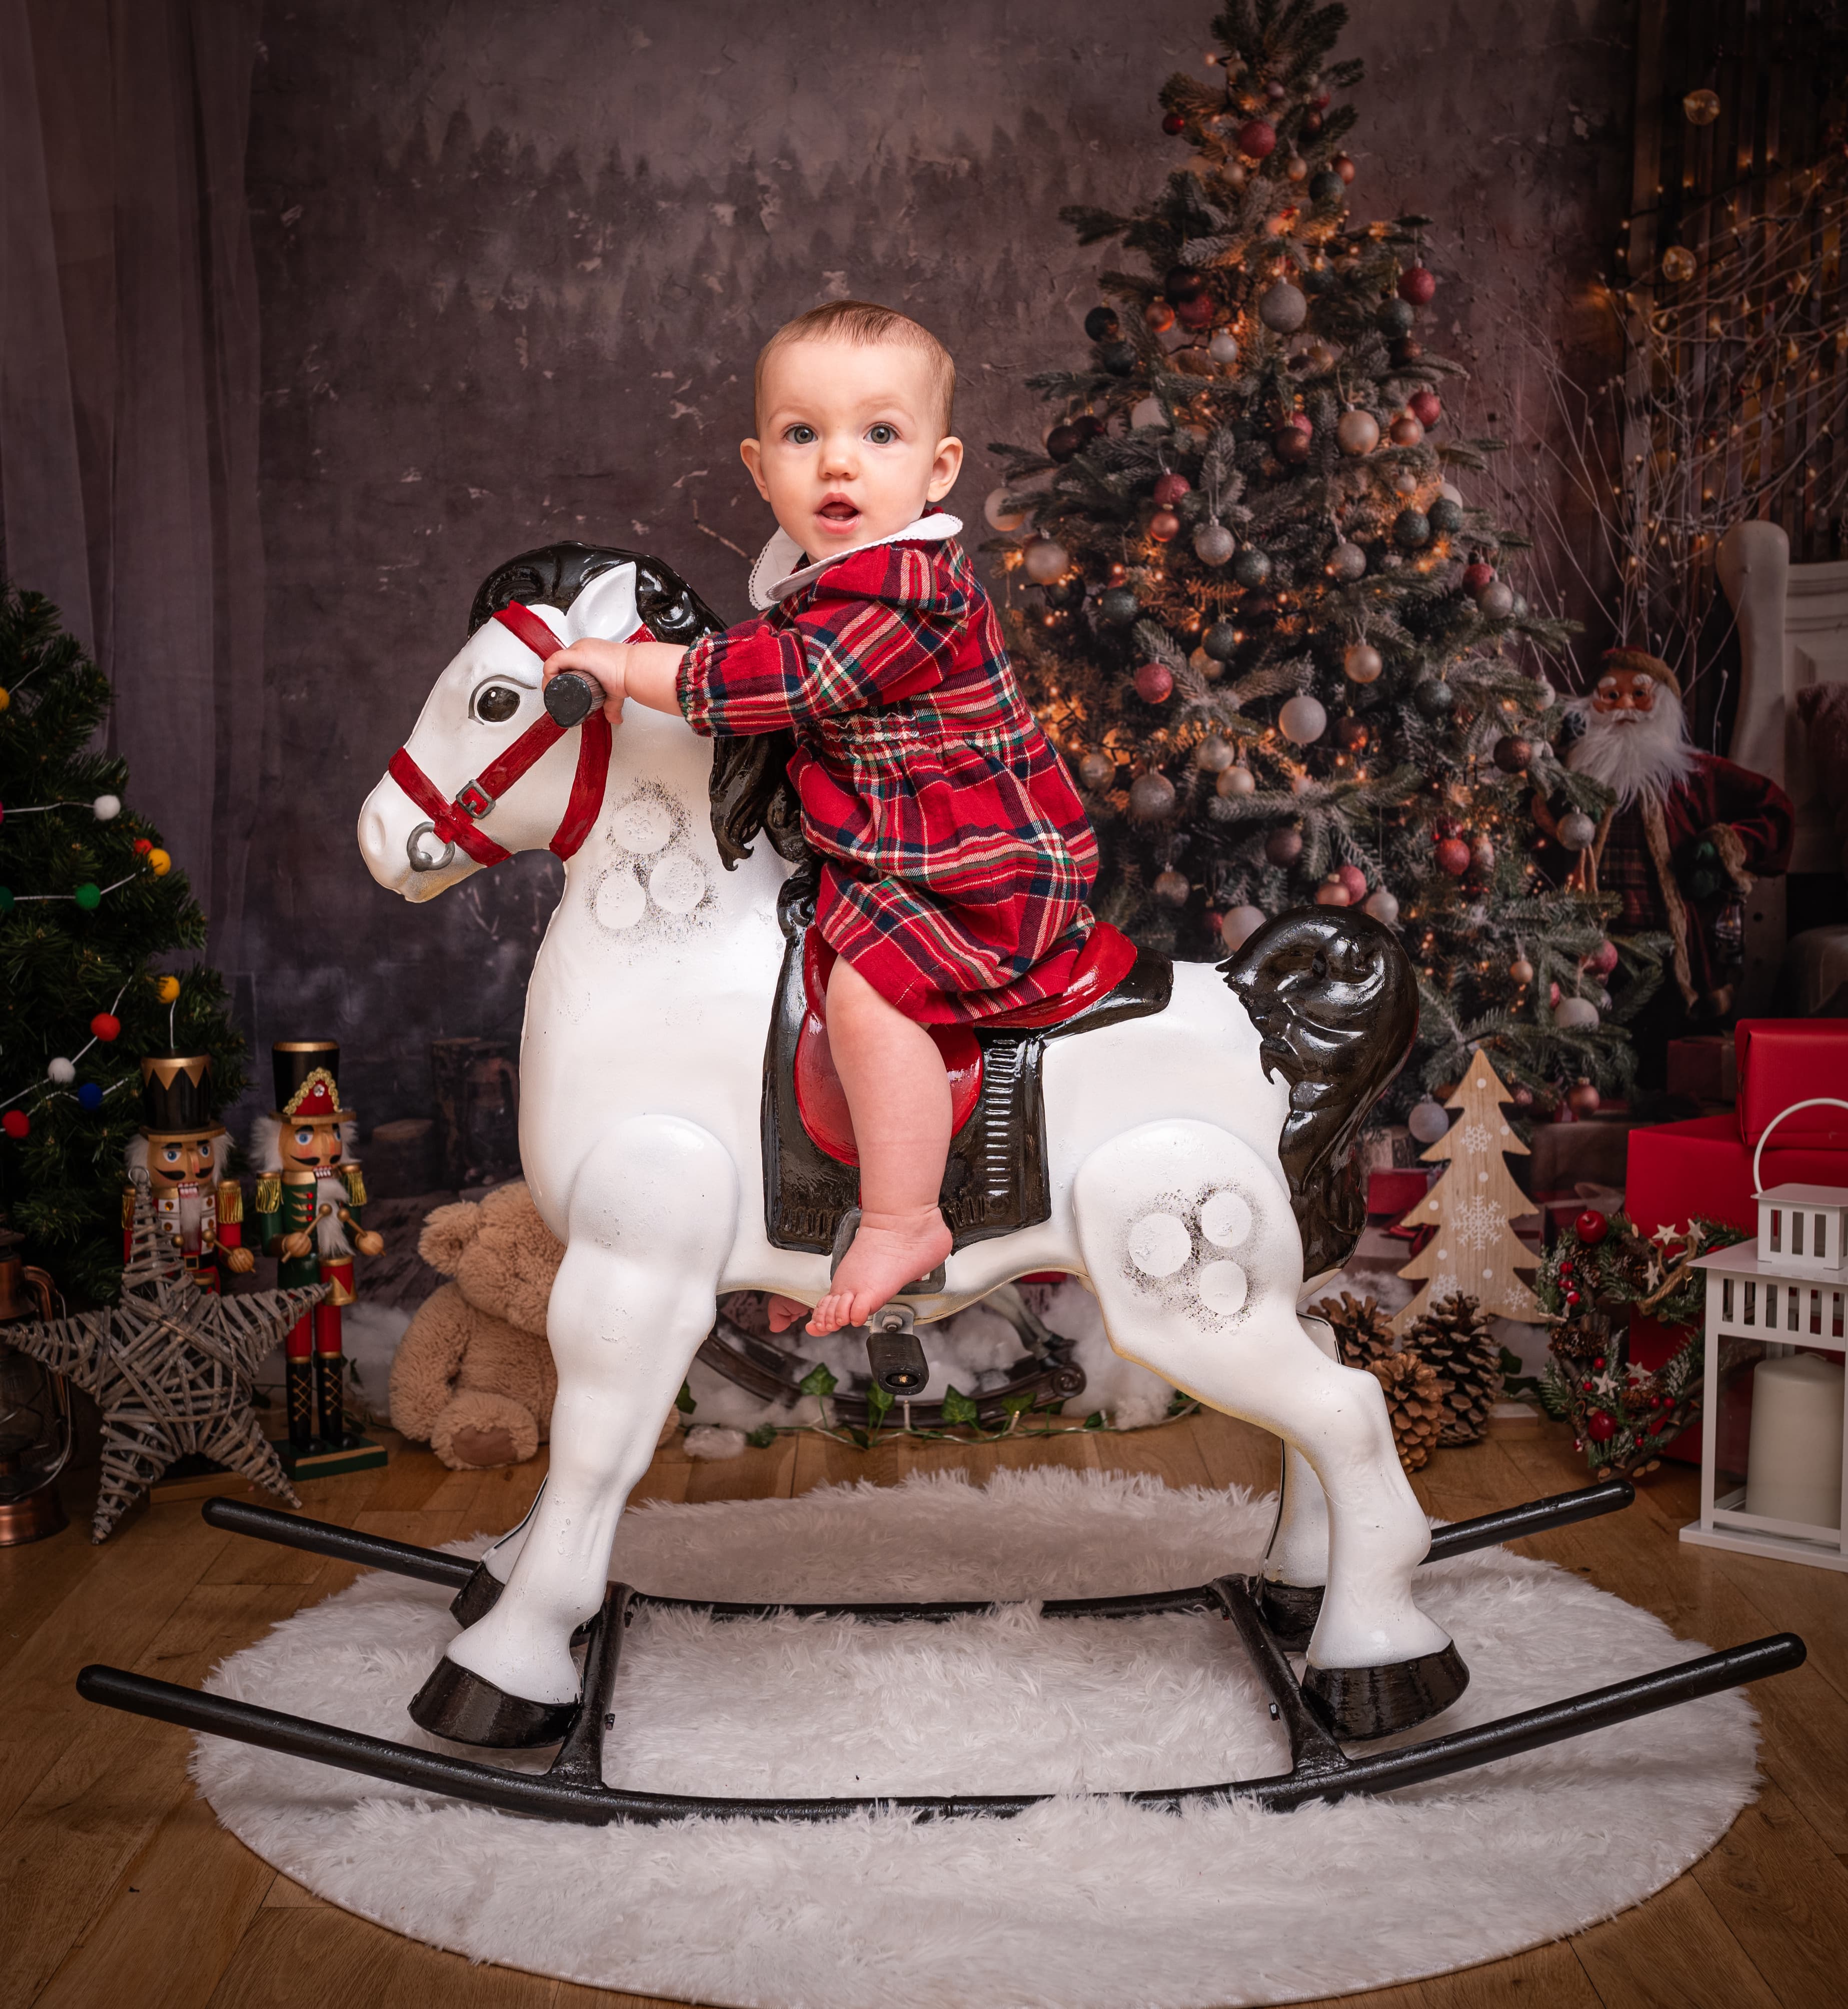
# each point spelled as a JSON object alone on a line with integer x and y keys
{"x": 129, "y": 393}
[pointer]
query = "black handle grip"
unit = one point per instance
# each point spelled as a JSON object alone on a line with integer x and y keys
{"x": 572, "y": 696}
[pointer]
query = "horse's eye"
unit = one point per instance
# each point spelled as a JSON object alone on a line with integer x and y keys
{"x": 496, "y": 703}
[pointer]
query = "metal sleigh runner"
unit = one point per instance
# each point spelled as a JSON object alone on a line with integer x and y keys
{"x": 680, "y": 1133}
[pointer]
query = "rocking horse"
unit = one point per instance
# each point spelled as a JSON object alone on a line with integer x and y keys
{"x": 1180, "y": 1137}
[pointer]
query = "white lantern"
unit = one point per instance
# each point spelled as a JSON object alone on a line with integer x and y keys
{"x": 1784, "y": 1296}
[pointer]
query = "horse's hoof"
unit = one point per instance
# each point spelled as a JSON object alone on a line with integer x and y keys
{"x": 1358, "y": 1703}
{"x": 476, "y": 1598}
{"x": 467, "y": 1708}
{"x": 1290, "y": 1609}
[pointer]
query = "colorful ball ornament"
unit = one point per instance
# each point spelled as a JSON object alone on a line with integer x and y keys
{"x": 1496, "y": 602}
{"x": 1355, "y": 880}
{"x": 1213, "y": 544}
{"x": 1101, "y": 324}
{"x": 1481, "y": 855}
{"x": 1583, "y": 1097}
{"x": 1284, "y": 846}
{"x": 1237, "y": 780}
{"x": 1406, "y": 430}
{"x": 1284, "y": 307}
{"x": 1600, "y": 1427}
{"x": 1164, "y": 526}
{"x": 106, "y": 1027}
{"x": 1213, "y": 754}
{"x": 1171, "y": 887}
{"x": 1173, "y": 123}
{"x": 1428, "y": 1120}
{"x": 1603, "y": 958}
{"x": 167, "y": 989}
{"x": 1452, "y": 855}
{"x": 1512, "y": 753}
{"x": 1522, "y": 970}
{"x": 61, "y": 1072}
{"x": 1151, "y": 797}
{"x": 1170, "y": 488}
{"x": 106, "y": 809}
{"x": 89, "y": 896}
{"x": 1382, "y": 905}
{"x": 1362, "y": 664}
{"x": 1347, "y": 562}
{"x": 1434, "y": 698}
{"x": 1097, "y": 771}
{"x": 1411, "y": 529}
{"x": 1446, "y": 516}
{"x": 1045, "y": 560}
{"x": 1258, "y": 139}
{"x": 15, "y": 1124}
{"x": 1223, "y": 349}
{"x": 1575, "y": 1014}
{"x": 1576, "y": 831}
{"x": 1200, "y": 312}
{"x": 1477, "y": 574}
{"x": 1303, "y": 720}
{"x": 1344, "y": 167}
{"x": 1700, "y": 108}
{"x": 997, "y": 516}
{"x": 90, "y": 1095}
{"x": 1253, "y": 568}
{"x": 1332, "y": 892}
{"x": 1356, "y": 432}
{"x": 1240, "y": 924}
{"x": 1119, "y": 606}
{"x": 1064, "y": 442}
{"x": 1155, "y": 683}
{"x": 1291, "y": 443}
{"x": 1426, "y": 407}
{"x": 1327, "y": 187}
{"x": 1418, "y": 283}
{"x": 1220, "y": 641}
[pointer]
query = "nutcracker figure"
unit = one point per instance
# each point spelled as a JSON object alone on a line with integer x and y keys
{"x": 198, "y": 1214}
{"x": 309, "y": 1195}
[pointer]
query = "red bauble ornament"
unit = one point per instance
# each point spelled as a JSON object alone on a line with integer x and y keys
{"x": 1159, "y": 316}
{"x": 1344, "y": 167}
{"x": 1155, "y": 682}
{"x": 106, "y": 1026}
{"x": 1453, "y": 856}
{"x": 1477, "y": 575}
{"x": 1258, "y": 139}
{"x": 1164, "y": 525}
{"x": 1599, "y": 1427}
{"x": 1591, "y": 1227}
{"x": 1603, "y": 958}
{"x": 15, "y": 1123}
{"x": 1170, "y": 488}
{"x": 1355, "y": 880}
{"x": 1425, "y": 406}
{"x": 1174, "y": 123}
{"x": 1583, "y": 1098}
{"x": 143, "y": 846}
{"x": 1292, "y": 439}
{"x": 1064, "y": 441}
{"x": 1418, "y": 283}
{"x": 1200, "y": 311}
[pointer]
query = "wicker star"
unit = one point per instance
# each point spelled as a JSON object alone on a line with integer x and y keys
{"x": 172, "y": 1368}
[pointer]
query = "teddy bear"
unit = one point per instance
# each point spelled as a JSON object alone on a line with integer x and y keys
{"x": 473, "y": 1377}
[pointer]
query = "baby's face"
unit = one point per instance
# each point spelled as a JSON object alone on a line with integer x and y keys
{"x": 850, "y": 450}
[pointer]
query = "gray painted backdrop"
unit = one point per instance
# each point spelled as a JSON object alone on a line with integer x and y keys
{"x": 516, "y": 261}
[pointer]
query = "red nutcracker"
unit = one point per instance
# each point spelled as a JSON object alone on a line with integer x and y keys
{"x": 198, "y": 1214}
{"x": 309, "y": 1198}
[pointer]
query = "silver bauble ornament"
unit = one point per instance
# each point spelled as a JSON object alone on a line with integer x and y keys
{"x": 1096, "y": 771}
{"x": 1171, "y": 887}
{"x": 1347, "y": 562}
{"x": 1427, "y": 1122}
{"x": 1237, "y": 780}
{"x": 106, "y": 809}
{"x": 999, "y": 517}
{"x": 1575, "y": 1014}
{"x": 1239, "y": 926}
{"x": 1381, "y": 905}
{"x": 1576, "y": 831}
{"x": 1151, "y": 797}
{"x": 1356, "y": 432}
{"x": 1303, "y": 719}
{"x": 1213, "y": 544}
{"x": 1047, "y": 561}
{"x": 1284, "y": 307}
{"x": 1362, "y": 664}
{"x": 1223, "y": 349}
{"x": 1496, "y": 599}
{"x": 1213, "y": 756}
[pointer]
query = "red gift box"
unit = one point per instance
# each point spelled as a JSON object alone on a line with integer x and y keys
{"x": 1786, "y": 1061}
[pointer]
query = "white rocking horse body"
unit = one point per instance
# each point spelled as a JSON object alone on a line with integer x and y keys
{"x": 642, "y": 1077}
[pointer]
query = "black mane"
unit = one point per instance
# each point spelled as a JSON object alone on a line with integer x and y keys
{"x": 750, "y": 790}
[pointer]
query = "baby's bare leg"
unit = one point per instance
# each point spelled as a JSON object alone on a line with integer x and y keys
{"x": 899, "y": 1098}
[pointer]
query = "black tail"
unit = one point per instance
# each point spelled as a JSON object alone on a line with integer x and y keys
{"x": 1332, "y": 995}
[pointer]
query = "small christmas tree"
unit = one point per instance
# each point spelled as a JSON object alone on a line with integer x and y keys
{"x": 1475, "y": 1250}
{"x": 1268, "y": 629}
{"x": 87, "y": 899}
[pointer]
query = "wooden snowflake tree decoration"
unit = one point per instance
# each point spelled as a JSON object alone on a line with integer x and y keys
{"x": 1473, "y": 1207}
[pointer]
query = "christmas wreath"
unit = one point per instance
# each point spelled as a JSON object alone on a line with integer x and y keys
{"x": 1601, "y": 1269}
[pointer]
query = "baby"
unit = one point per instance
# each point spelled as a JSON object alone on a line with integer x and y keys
{"x": 956, "y": 858}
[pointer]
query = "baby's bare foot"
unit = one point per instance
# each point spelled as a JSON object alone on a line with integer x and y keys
{"x": 784, "y": 1313}
{"x": 889, "y": 1250}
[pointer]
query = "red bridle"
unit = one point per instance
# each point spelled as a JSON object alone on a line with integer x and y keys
{"x": 453, "y": 820}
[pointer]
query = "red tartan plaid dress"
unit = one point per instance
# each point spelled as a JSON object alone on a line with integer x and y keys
{"x": 956, "y": 858}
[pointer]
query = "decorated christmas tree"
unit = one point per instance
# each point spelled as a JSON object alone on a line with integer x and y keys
{"x": 1473, "y": 1249}
{"x": 88, "y": 897}
{"x": 1258, "y": 615}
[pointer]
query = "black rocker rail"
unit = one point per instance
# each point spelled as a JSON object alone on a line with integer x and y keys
{"x": 572, "y": 1788}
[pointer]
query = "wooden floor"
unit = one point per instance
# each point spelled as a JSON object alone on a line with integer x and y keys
{"x": 117, "y": 1886}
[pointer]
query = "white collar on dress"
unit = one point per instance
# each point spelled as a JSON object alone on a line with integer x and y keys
{"x": 782, "y": 566}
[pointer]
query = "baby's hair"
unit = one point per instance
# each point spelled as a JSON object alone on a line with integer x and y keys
{"x": 862, "y": 321}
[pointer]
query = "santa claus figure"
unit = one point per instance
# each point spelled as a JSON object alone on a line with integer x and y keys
{"x": 1688, "y": 834}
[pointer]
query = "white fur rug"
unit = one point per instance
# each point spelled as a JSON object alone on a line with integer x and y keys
{"x": 1077, "y": 1904}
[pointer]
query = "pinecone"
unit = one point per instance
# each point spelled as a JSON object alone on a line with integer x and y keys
{"x": 1363, "y": 1332}
{"x": 1417, "y": 1401}
{"x": 1454, "y": 1336}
